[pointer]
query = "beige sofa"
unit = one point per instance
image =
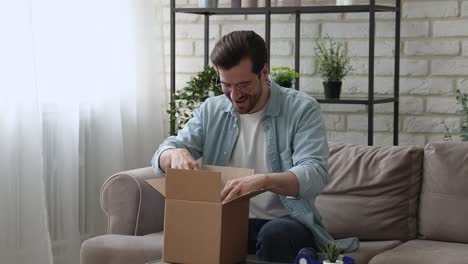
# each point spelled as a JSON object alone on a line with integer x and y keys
{"x": 406, "y": 204}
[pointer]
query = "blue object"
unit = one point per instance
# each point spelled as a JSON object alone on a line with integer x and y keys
{"x": 348, "y": 260}
{"x": 306, "y": 258}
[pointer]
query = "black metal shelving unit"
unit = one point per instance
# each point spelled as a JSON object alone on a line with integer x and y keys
{"x": 372, "y": 8}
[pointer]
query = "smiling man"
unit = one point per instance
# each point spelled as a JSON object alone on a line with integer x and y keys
{"x": 277, "y": 131}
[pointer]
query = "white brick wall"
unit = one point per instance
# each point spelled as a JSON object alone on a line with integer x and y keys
{"x": 465, "y": 48}
{"x": 359, "y": 123}
{"x": 347, "y": 137}
{"x": 450, "y": 28}
{"x": 465, "y": 9}
{"x": 426, "y": 86}
{"x": 411, "y": 105}
{"x": 346, "y": 30}
{"x": 189, "y": 64}
{"x": 450, "y": 67}
{"x": 259, "y": 27}
{"x": 434, "y": 63}
{"x": 441, "y": 105}
{"x": 408, "y": 105}
{"x": 281, "y": 47}
{"x": 429, "y": 124}
{"x": 412, "y": 28}
{"x": 360, "y": 48}
{"x": 432, "y": 47}
{"x": 183, "y": 48}
{"x": 428, "y": 9}
{"x": 462, "y": 85}
{"x": 334, "y": 122}
{"x": 385, "y": 67}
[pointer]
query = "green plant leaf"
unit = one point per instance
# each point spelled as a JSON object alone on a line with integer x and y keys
{"x": 284, "y": 76}
{"x": 333, "y": 251}
{"x": 191, "y": 96}
{"x": 332, "y": 60}
{"x": 462, "y": 100}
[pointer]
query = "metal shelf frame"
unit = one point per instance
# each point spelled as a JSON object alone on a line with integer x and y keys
{"x": 268, "y": 10}
{"x": 285, "y": 10}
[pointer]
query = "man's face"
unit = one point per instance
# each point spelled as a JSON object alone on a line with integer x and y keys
{"x": 241, "y": 86}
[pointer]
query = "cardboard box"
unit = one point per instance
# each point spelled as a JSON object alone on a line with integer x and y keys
{"x": 198, "y": 227}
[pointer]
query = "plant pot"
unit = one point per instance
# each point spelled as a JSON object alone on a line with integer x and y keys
{"x": 285, "y": 84}
{"x": 208, "y": 3}
{"x": 332, "y": 90}
{"x": 336, "y": 262}
{"x": 287, "y": 2}
{"x": 249, "y": 3}
{"x": 344, "y": 2}
{"x": 236, "y": 3}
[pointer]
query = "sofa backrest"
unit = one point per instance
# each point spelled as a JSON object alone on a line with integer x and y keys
{"x": 444, "y": 194}
{"x": 373, "y": 192}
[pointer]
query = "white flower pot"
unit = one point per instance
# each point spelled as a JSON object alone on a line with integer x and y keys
{"x": 208, "y": 3}
{"x": 344, "y": 2}
{"x": 336, "y": 262}
{"x": 249, "y": 3}
{"x": 286, "y": 2}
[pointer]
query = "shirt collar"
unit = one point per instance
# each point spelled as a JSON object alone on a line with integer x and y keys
{"x": 272, "y": 106}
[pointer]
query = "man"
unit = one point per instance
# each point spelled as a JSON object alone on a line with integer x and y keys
{"x": 278, "y": 132}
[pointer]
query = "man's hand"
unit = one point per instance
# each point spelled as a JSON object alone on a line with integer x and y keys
{"x": 283, "y": 183}
{"x": 178, "y": 158}
{"x": 238, "y": 187}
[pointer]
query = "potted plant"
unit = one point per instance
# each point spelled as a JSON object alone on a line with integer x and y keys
{"x": 191, "y": 96}
{"x": 249, "y": 3}
{"x": 284, "y": 76}
{"x": 208, "y": 3}
{"x": 333, "y": 66}
{"x": 333, "y": 252}
{"x": 287, "y": 2}
{"x": 462, "y": 99}
{"x": 344, "y": 2}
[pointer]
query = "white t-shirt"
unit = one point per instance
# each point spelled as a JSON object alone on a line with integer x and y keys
{"x": 250, "y": 152}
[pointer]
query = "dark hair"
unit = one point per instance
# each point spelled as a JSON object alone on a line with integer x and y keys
{"x": 237, "y": 45}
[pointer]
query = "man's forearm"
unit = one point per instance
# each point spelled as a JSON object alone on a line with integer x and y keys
{"x": 284, "y": 183}
{"x": 165, "y": 160}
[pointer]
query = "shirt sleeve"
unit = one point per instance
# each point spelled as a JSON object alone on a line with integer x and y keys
{"x": 190, "y": 137}
{"x": 310, "y": 153}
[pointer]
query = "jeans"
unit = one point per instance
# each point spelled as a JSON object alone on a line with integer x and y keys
{"x": 278, "y": 240}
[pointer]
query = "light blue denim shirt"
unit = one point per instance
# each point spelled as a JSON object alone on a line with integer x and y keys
{"x": 295, "y": 138}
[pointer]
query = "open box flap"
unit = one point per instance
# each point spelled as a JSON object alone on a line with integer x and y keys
{"x": 229, "y": 173}
{"x": 245, "y": 196}
{"x": 159, "y": 184}
{"x": 199, "y": 185}
{"x": 193, "y": 185}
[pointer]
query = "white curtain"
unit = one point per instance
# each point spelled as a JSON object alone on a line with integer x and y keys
{"x": 82, "y": 96}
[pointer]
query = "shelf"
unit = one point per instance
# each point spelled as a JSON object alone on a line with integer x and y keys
{"x": 353, "y": 100}
{"x": 285, "y": 10}
{"x": 223, "y": 11}
{"x": 371, "y": 8}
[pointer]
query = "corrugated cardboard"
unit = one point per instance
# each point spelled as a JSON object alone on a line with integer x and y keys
{"x": 198, "y": 227}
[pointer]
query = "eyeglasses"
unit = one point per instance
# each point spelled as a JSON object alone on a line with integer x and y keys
{"x": 241, "y": 87}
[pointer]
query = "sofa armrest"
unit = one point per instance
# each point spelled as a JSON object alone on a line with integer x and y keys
{"x": 133, "y": 207}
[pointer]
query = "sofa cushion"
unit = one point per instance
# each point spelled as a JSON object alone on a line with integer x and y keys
{"x": 368, "y": 249}
{"x": 373, "y": 192}
{"x": 122, "y": 249}
{"x": 424, "y": 251}
{"x": 444, "y": 194}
